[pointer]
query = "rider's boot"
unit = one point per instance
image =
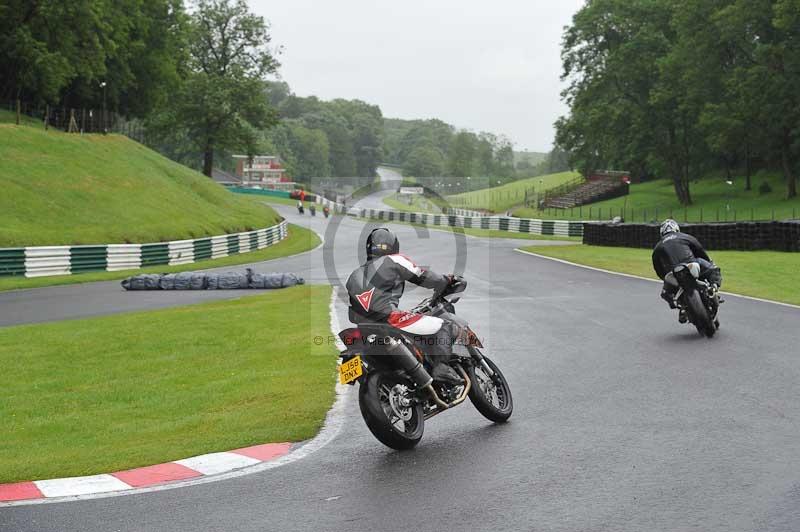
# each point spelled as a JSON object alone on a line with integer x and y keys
{"x": 682, "y": 317}
{"x": 666, "y": 296}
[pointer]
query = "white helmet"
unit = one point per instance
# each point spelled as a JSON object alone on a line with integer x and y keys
{"x": 670, "y": 226}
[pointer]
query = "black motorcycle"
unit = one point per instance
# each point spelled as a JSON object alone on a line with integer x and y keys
{"x": 300, "y": 208}
{"x": 697, "y": 297}
{"x": 313, "y": 210}
{"x": 396, "y": 391}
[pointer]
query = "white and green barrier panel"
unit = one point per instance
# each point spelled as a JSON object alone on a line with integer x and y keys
{"x": 496, "y": 223}
{"x": 42, "y": 261}
{"x": 466, "y": 212}
{"x": 336, "y": 208}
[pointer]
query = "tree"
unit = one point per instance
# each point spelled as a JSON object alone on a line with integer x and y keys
{"x": 365, "y": 123}
{"x": 425, "y": 161}
{"x": 504, "y": 158}
{"x": 58, "y": 52}
{"x": 484, "y": 154}
{"x": 310, "y": 150}
{"x": 626, "y": 111}
{"x": 678, "y": 87}
{"x": 222, "y": 102}
{"x": 461, "y": 154}
{"x": 341, "y": 159}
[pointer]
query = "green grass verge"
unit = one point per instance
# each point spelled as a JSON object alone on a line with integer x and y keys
{"x": 743, "y": 271}
{"x": 503, "y": 198}
{"x": 300, "y": 239}
{"x": 419, "y": 205}
{"x": 714, "y": 200}
{"x": 105, "y": 394}
{"x": 60, "y": 189}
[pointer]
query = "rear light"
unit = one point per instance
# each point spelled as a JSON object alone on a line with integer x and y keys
{"x": 350, "y": 336}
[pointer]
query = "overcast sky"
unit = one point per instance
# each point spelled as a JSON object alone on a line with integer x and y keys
{"x": 485, "y": 66}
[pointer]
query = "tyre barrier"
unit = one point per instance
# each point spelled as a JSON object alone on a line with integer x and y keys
{"x": 44, "y": 261}
{"x": 740, "y": 236}
{"x": 495, "y": 223}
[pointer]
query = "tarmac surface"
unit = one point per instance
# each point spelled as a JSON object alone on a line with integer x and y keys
{"x": 624, "y": 420}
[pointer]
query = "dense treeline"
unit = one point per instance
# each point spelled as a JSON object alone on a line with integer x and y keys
{"x": 339, "y": 138}
{"x": 432, "y": 148}
{"x": 52, "y": 51}
{"x": 678, "y": 88}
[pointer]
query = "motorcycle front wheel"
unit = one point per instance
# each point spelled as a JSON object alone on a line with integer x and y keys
{"x": 391, "y": 415}
{"x": 490, "y": 394}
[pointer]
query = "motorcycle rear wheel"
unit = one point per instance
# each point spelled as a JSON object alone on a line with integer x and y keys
{"x": 491, "y": 396}
{"x": 700, "y": 318}
{"x": 378, "y": 398}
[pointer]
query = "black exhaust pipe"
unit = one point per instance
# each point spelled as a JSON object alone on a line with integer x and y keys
{"x": 401, "y": 357}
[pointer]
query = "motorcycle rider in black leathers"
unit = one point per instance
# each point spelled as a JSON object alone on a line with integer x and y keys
{"x": 676, "y": 248}
{"x": 375, "y": 289}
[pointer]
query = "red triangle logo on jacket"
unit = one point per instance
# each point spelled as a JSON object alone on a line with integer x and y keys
{"x": 365, "y": 298}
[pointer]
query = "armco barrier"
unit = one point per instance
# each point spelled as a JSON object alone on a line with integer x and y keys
{"x": 496, "y": 223}
{"x": 742, "y": 236}
{"x": 66, "y": 260}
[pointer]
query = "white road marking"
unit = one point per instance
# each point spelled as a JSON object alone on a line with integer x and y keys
{"x": 215, "y": 463}
{"x": 63, "y": 487}
{"x": 782, "y": 304}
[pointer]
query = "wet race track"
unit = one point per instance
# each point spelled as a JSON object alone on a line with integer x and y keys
{"x": 623, "y": 419}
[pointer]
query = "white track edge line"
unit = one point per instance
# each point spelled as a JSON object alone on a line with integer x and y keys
{"x": 761, "y": 300}
{"x": 334, "y": 420}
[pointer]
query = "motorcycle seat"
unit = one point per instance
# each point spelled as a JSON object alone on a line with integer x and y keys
{"x": 382, "y": 330}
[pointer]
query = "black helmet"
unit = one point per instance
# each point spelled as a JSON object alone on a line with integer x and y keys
{"x": 381, "y": 242}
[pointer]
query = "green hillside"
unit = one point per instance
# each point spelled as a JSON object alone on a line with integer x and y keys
{"x": 714, "y": 200}
{"x": 60, "y": 188}
{"x": 502, "y": 198}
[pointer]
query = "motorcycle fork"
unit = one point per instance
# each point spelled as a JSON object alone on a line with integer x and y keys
{"x": 478, "y": 356}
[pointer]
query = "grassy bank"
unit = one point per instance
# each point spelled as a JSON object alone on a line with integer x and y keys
{"x": 275, "y": 200}
{"x": 714, "y": 200}
{"x": 765, "y": 274}
{"x": 500, "y": 199}
{"x": 61, "y": 188}
{"x": 299, "y": 240}
{"x": 105, "y": 394}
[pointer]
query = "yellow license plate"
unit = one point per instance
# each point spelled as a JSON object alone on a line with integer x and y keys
{"x": 350, "y": 370}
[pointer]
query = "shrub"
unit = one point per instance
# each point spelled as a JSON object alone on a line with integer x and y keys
{"x": 764, "y": 188}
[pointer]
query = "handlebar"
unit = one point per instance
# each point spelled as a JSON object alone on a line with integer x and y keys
{"x": 457, "y": 285}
